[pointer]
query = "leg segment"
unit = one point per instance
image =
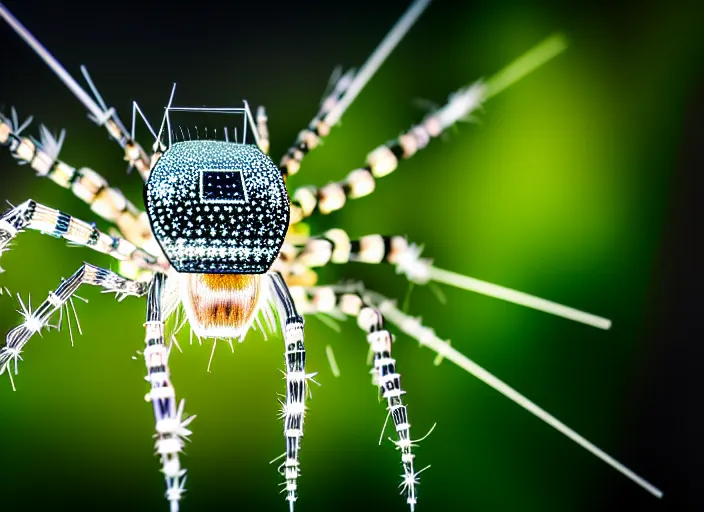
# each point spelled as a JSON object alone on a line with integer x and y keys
{"x": 345, "y": 90}
{"x": 99, "y": 112}
{"x": 309, "y": 138}
{"x": 171, "y": 428}
{"x": 263, "y": 130}
{"x": 85, "y": 183}
{"x": 427, "y": 337}
{"x": 384, "y": 375}
{"x": 32, "y": 215}
{"x": 35, "y": 320}
{"x": 349, "y": 298}
{"x": 296, "y": 381}
{"x": 335, "y": 246}
{"x": 384, "y": 159}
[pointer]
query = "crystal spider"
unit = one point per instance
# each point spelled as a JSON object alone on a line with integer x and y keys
{"x": 219, "y": 240}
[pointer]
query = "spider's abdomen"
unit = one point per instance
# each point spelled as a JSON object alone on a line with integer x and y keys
{"x": 220, "y": 305}
{"x": 217, "y": 207}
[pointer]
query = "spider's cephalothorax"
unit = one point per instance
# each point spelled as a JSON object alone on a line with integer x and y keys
{"x": 215, "y": 241}
{"x": 217, "y": 207}
{"x": 220, "y": 213}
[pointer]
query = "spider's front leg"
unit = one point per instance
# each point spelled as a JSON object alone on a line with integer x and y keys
{"x": 296, "y": 381}
{"x": 35, "y": 320}
{"x": 171, "y": 428}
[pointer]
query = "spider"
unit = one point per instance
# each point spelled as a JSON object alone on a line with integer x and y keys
{"x": 220, "y": 246}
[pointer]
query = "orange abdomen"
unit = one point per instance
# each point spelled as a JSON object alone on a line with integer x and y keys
{"x": 220, "y": 305}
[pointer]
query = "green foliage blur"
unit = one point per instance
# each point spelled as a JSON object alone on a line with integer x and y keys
{"x": 558, "y": 187}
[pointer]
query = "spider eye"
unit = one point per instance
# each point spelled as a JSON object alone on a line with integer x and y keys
{"x": 217, "y": 207}
{"x": 222, "y": 186}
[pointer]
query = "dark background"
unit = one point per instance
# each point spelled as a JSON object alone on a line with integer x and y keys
{"x": 582, "y": 184}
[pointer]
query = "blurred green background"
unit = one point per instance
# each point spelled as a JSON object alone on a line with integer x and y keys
{"x": 561, "y": 189}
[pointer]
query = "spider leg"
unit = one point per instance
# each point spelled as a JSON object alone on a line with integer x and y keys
{"x": 171, "y": 428}
{"x": 35, "y": 216}
{"x": 343, "y": 89}
{"x": 348, "y": 297}
{"x": 311, "y": 137}
{"x": 427, "y": 337}
{"x": 263, "y": 130}
{"x": 384, "y": 375}
{"x": 307, "y": 200}
{"x": 35, "y": 320}
{"x": 296, "y": 381}
{"x": 89, "y": 186}
{"x": 336, "y": 247}
{"x": 99, "y": 112}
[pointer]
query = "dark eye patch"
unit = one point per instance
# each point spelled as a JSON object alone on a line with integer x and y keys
{"x": 222, "y": 186}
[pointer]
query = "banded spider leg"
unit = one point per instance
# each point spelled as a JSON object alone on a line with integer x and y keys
{"x": 382, "y": 161}
{"x": 109, "y": 203}
{"x": 35, "y": 320}
{"x": 326, "y": 299}
{"x": 171, "y": 428}
{"x": 36, "y": 216}
{"x": 343, "y": 89}
{"x": 313, "y": 135}
{"x": 32, "y": 215}
{"x": 352, "y": 299}
{"x": 263, "y": 130}
{"x": 99, "y": 112}
{"x": 296, "y": 380}
{"x": 335, "y": 246}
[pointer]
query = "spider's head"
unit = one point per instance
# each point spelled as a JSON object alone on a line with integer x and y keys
{"x": 217, "y": 207}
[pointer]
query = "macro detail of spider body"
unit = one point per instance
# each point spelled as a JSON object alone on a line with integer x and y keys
{"x": 218, "y": 239}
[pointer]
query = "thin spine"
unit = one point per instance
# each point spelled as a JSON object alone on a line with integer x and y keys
{"x": 89, "y": 186}
{"x": 171, "y": 427}
{"x": 37, "y": 319}
{"x": 376, "y": 59}
{"x": 335, "y": 246}
{"x": 35, "y": 216}
{"x": 383, "y": 160}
